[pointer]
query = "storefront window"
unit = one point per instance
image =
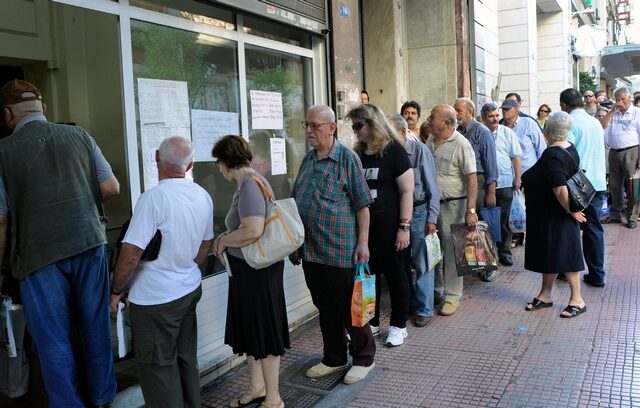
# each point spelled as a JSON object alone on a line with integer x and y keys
{"x": 186, "y": 84}
{"x": 286, "y": 78}
{"x": 194, "y": 11}
{"x": 278, "y": 32}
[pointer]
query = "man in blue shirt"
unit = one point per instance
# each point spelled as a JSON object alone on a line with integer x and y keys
{"x": 588, "y": 137}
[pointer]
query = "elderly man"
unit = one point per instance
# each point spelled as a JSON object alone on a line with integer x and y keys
{"x": 508, "y": 152}
{"x": 53, "y": 181}
{"x": 426, "y": 206}
{"x": 622, "y": 135}
{"x": 456, "y": 176}
{"x": 410, "y": 111}
{"x": 165, "y": 291}
{"x": 528, "y": 132}
{"x": 333, "y": 198}
{"x": 588, "y": 138}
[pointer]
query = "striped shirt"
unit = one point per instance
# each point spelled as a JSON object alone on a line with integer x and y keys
{"x": 329, "y": 192}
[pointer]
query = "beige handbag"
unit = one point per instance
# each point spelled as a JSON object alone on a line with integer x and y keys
{"x": 283, "y": 232}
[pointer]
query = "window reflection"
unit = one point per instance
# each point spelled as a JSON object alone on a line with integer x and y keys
{"x": 193, "y": 11}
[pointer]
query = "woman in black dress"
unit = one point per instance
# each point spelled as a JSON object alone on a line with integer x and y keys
{"x": 390, "y": 178}
{"x": 553, "y": 231}
{"x": 256, "y": 310}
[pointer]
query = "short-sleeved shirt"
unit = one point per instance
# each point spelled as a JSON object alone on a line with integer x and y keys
{"x": 329, "y": 192}
{"x": 103, "y": 169}
{"x": 183, "y": 212}
{"x": 248, "y": 201}
{"x": 484, "y": 148}
{"x": 381, "y": 172}
{"x": 588, "y": 138}
{"x": 624, "y": 129}
{"x": 531, "y": 141}
{"x": 454, "y": 160}
{"x": 507, "y": 147}
{"x": 425, "y": 186}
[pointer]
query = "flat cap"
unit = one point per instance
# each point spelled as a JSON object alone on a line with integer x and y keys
{"x": 17, "y": 91}
{"x": 508, "y": 104}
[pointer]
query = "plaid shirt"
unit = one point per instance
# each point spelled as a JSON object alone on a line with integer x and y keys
{"x": 328, "y": 193}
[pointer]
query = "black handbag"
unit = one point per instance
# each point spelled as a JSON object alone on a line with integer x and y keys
{"x": 153, "y": 248}
{"x": 581, "y": 191}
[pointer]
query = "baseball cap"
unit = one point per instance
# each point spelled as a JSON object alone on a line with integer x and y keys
{"x": 508, "y": 104}
{"x": 14, "y": 92}
{"x": 608, "y": 102}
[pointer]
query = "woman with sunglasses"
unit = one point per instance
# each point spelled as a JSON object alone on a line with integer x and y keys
{"x": 390, "y": 178}
{"x": 543, "y": 113}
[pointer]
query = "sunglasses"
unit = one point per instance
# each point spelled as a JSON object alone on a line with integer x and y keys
{"x": 544, "y": 111}
{"x": 357, "y": 126}
{"x": 588, "y": 96}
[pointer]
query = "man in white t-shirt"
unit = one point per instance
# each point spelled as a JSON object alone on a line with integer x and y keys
{"x": 164, "y": 292}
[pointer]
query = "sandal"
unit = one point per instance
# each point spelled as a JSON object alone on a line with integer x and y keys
{"x": 573, "y": 311}
{"x": 536, "y": 304}
{"x": 279, "y": 404}
{"x": 248, "y": 399}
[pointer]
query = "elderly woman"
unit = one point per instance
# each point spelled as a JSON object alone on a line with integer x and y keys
{"x": 543, "y": 113}
{"x": 256, "y": 312}
{"x": 390, "y": 178}
{"x": 553, "y": 231}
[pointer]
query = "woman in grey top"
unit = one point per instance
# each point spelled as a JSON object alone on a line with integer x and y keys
{"x": 256, "y": 310}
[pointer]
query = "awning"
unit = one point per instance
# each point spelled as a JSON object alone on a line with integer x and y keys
{"x": 590, "y": 40}
{"x": 621, "y": 60}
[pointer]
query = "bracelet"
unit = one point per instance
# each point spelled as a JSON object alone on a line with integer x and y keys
{"x": 405, "y": 221}
{"x": 113, "y": 292}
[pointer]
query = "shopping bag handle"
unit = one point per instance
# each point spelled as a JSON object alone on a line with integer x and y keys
{"x": 363, "y": 269}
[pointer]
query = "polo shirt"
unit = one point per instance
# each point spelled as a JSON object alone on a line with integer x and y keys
{"x": 454, "y": 160}
{"x": 624, "y": 129}
{"x": 587, "y": 136}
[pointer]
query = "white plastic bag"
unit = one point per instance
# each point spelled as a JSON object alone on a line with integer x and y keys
{"x": 434, "y": 253}
{"x": 518, "y": 215}
{"x": 14, "y": 365}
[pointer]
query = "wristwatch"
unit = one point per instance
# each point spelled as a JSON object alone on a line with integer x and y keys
{"x": 471, "y": 210}
{"x": 404, "y": 227}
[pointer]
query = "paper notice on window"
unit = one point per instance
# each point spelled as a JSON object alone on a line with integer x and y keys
{"x": 266, "y": 110}
{"x": 209, "y": 126}
{"x": 164, "y": 111}
{"x": 278, "y": 156}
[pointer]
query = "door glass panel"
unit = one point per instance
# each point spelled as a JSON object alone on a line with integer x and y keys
{"x": 207, "y": 68}
{"x": 194, "y": 11}
{"x": 290, "y": 76}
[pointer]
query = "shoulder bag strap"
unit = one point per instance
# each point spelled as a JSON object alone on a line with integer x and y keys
{"x": 265, "y": 191}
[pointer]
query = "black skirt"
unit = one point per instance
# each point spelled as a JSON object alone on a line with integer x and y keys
{"x": 257, "y": 322}
{"x": 553, "y": 244}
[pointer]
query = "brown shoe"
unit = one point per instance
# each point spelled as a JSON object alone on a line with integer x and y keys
{"x": 448, "y": 308}
{"x": 422, "y": 321}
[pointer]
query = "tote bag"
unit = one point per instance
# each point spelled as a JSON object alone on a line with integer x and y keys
{"x": 363, "y": 297}
{"x": 283, "y": 232}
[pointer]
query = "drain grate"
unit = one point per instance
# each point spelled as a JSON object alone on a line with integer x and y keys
{"x": 297, "y": 397}
{"x": 326, "y": 383}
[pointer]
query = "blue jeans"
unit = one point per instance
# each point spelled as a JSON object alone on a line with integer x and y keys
{"x": 593, "y": 238}
{"x": 67, "y": 295}
{"x": 422, "y": 292}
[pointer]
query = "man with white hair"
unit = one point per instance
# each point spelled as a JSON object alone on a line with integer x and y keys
{"x": 165, "y": 291}
{"x": 622, "y": 135}
{"x": 53, "y": 181}
{"x": 426, "y": 206}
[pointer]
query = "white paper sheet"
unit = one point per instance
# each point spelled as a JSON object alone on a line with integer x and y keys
{"x": 266, "y": 110}
{"x": 207, "y": 127}
{"x": 122, "y": 341}
{"x": 278, "y": 156}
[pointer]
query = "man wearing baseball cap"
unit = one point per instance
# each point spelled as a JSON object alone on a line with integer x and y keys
{"x": 53, "y": 182}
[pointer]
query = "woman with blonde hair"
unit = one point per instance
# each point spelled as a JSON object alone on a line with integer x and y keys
{"x": 390, "y": 178}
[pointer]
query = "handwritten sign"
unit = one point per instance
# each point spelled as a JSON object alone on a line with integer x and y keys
{"x": 266, "y": 110}
{"x": 207, "y": 127}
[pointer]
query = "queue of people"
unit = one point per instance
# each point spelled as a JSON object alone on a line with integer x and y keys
{"x": 371, "y": 203}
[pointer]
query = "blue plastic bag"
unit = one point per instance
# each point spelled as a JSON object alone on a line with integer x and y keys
{"x": 518, "y": 215}
{"x": 491, "y": 215}
{"x": 363, "y": 298}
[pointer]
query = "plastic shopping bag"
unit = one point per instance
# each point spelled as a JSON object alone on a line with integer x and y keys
{"x": 518, "y": 215}
{"x": 363, "y": 298}
{"x": 473, "y": 250}
{"x": 434, "y": 253}
{"x": 14, "y": 365}
{"x": 606, "y": 210}
{"x": 491, "y": 215}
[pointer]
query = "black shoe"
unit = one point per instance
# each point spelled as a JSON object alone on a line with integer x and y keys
{"x": 631, "y": 224}
{"x": 506, "y": 260}
{"x": 611, "y": 221}
{"x": 422, "y": 321}
{"x": 589, "y": 280}
{"x": 562, "y": 277}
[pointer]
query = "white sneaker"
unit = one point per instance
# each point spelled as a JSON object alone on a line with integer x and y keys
{"x": 375, "y": 330}
{"x": 396, "y": 336}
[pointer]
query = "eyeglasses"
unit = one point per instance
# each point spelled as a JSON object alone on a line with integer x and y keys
{"x": 544, "y": 111}
{"x": 588, "y": 96}
{"x": 312, "y": 125}
{"x": 357, "y": 126}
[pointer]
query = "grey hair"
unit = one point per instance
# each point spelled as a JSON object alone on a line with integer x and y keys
{"x": 487, "y": 108}
{"x": 325, "y": 112}
{"x": 558, "y": 126}
{"x": 398, "y": 122}
{"x": 176, "y": 152}
{"x": 471, "y": 107}
{"x": 621, "y": 90}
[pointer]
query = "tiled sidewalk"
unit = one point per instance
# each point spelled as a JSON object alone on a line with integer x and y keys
{"x": 491, "y": 353}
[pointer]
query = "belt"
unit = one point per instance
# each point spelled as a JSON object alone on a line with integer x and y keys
{"x": 624, "y": 148}
{"x": 446, "y": 200}
{"x": 420, "y": 202}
